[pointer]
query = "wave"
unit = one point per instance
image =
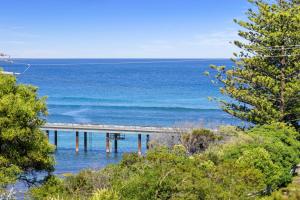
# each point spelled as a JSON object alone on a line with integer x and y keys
{"x": 85, "y": 99}
{"x": 117, "y": 107}
{"x": 77, "y": 115}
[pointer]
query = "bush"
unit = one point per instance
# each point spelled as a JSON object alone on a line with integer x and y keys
{"x": 198, "y": 140}
{"x": 247, "y": 165}
{"x": 105, "y": 194}
{"x": 86, "y": 182}
{"x": 280, "y": 141}
{"x": 51, "y": 188}
{"x": 24, "y": 148}
{"x": 79, "y": 186}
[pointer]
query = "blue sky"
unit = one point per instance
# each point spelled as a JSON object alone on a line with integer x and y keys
{"x": 119, "y": 28}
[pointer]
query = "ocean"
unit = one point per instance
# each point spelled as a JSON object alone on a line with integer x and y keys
{"x": 146, "y": 92}
{"x": 158, "y": 92}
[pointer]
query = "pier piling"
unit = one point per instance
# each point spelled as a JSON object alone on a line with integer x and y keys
{"x": 77, "y": 141}
{"x": 139, "y": 144}
{"x": 47, "y": 133}
{"x": 85, "y": 141}
{"x": 107, "y": 143}
{"x": 116, "y": 142}
{"x": 147, "y": 141}
{"x": 55, "y": 138}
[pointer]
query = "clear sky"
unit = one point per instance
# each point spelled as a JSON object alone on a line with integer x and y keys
{"x": 119, "y": 28}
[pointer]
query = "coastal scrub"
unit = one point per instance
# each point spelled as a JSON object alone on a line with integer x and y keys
{"x": 24, "y": 148}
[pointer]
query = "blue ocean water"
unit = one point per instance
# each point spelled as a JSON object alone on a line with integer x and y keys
{"x": 160, "y": 92}
{"x": 153, "y": 92}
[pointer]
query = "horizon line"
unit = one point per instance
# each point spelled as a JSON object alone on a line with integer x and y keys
{"x": 116, "y": 58}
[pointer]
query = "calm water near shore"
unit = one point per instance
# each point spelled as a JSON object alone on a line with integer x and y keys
{"x": 156, "y": 92}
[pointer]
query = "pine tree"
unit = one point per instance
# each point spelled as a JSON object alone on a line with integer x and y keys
{"x": 264, "y": 83}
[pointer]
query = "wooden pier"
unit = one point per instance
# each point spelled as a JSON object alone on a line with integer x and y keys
{"x": 114, "y": 132}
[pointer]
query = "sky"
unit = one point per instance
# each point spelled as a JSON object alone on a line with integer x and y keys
{"x": 119, "y": 28}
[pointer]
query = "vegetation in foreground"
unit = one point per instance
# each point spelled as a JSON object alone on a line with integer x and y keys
{"x": 265, "y": 87}
{"x": 247, "y": 165}
{"x": 291, "y": 192}
{"x": 24, "y": 148}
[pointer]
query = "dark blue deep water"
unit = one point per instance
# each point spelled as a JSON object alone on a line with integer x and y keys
{"x": 156, "y": 92}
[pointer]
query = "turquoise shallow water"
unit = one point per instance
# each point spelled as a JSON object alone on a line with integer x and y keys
{"x": 154, "y": 92}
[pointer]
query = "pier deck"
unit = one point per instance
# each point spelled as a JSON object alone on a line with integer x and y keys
{"x": 110, "y": 128}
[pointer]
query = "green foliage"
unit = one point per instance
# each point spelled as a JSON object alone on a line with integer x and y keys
{"x": 264, "y": 83}
{"x": 291, "y": 192}
{"x": 162, "y": 172}
{"x": 24, "y": 149}
{"x": 78, "y": 186}
{"x": 272, "y": 149}
{"x": 247, "y": 165}
{"x": 283, "y": 147}
{"x": 230, "y": 180}
{"x": 198, "y": 140}
{"x": 260, "y": 159}
{"x": 86, "y": 182}
{"x": 8, "y": 172}
{"x": 105, "y": 194}
{"x": 52, "y": 187}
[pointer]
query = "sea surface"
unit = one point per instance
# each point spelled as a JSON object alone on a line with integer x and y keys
{"x": 158, "y": 92}
{"x": 146, "y": 92}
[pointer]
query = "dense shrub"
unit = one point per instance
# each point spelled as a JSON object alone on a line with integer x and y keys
{"x": 105, "y": 194}
{"x": 51, "y": 188}
{"x": 248, "y": 165}
{"x": 198, "y": 140}
{"x": 24, "y": 148}
{"x": 78, "y": 186}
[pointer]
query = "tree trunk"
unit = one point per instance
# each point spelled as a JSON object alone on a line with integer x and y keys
{"x": 282, "y": 85}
